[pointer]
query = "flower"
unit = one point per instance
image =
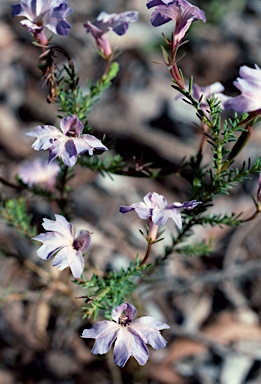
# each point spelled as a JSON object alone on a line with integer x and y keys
{"x": 39, "y": 172}
{"x": 249, "y": 83}
{"x": 67, "y": 142}
{"x": 157, "y": 209}
{"x": 181, "y": 11}
{"x": 43, "y": 13}
{"x": 61, "y": 242}
{"x": 119, "y": 23}
{"x": 131, "y": 335}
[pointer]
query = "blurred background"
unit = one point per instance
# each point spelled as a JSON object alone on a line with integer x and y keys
{"x": 212, "y": 303}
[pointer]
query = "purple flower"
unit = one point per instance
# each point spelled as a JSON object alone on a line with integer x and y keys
{"x": 39, "y": 172}
{"x": 43, "y": 13}
{"x": 119, "y": 23}
{"x": 61, "y": 242}
{"x": 181, "y": 11}
{"x": 156, "y": 208}
{"x": 67, "y": 142}
{"x": 249, "y": 83}
{"x": 131, "y": 335}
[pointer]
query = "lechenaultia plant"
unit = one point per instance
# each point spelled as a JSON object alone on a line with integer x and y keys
{"x": 109, "y": 294}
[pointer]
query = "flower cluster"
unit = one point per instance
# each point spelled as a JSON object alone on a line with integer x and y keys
{"x": 52, "y": 14}
{"x": 61, "y": 242}
{"x": 67, "y": 142}
{"x": 131, "y": 335}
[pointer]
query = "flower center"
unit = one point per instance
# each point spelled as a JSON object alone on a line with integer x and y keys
{"x": 79, "y": 243}
{"x": 72, "y": 132}
{"x": 124, "y": 320}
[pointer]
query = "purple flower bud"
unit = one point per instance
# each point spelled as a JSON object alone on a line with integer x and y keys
{"x": 130, "y": 335}
{"x": 67, "y": 142}
{"x": 61, "y": 242}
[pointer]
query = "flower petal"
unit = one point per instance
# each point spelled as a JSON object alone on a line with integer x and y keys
{"x": 249, "y": 83}
{"x": 117, "y": 311}
{"x": 153, "y": 200}
{"x": 93, "y": 142}
{"x": 61, "y": 259}
{"x": 46, "y": 135}
{"x": 129, "y": 310}
{"x": 68, "y": 257}
{"x": 105, "y": 332}
{"x": 119, "y": 23}
{"x": 176, "y": 217}
{"x": 69, "y": 154}
{"x": 128, "y": 344}
{"x": 60, "y": 225}
{"x": 140, "y": 208}
{"x": 242, "y": 104}
{"x": 77, "y": 265}
{"x": 148, "y": 329}
{"x": 71, "y": 124}
{"x": 50, "y": 245}
{"x": 159, "y": 216}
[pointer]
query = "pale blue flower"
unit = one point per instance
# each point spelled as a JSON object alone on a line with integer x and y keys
{"x": 130, "y": 336}
{"x": 61, "y": 242}
{"x": 117, "y": 22}
{"x": 44, "y": 13}
{"x": 249, "y": 83}
{"x": 156, "y": 208}
{"x": 67, "y": 142}
{"x": 39, "y": 172}
{"x": 181, "y": 11}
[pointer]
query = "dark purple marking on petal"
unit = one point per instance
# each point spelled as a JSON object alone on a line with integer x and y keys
{"x": 126, "y": 209}
{"x": 16, "y": 9}
{"x": 62, "y": 28}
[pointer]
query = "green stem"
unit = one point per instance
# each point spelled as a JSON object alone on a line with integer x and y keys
{"x": 239, "y": 145}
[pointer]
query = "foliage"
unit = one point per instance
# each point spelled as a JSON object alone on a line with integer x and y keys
{"x": 111, "y": 290}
